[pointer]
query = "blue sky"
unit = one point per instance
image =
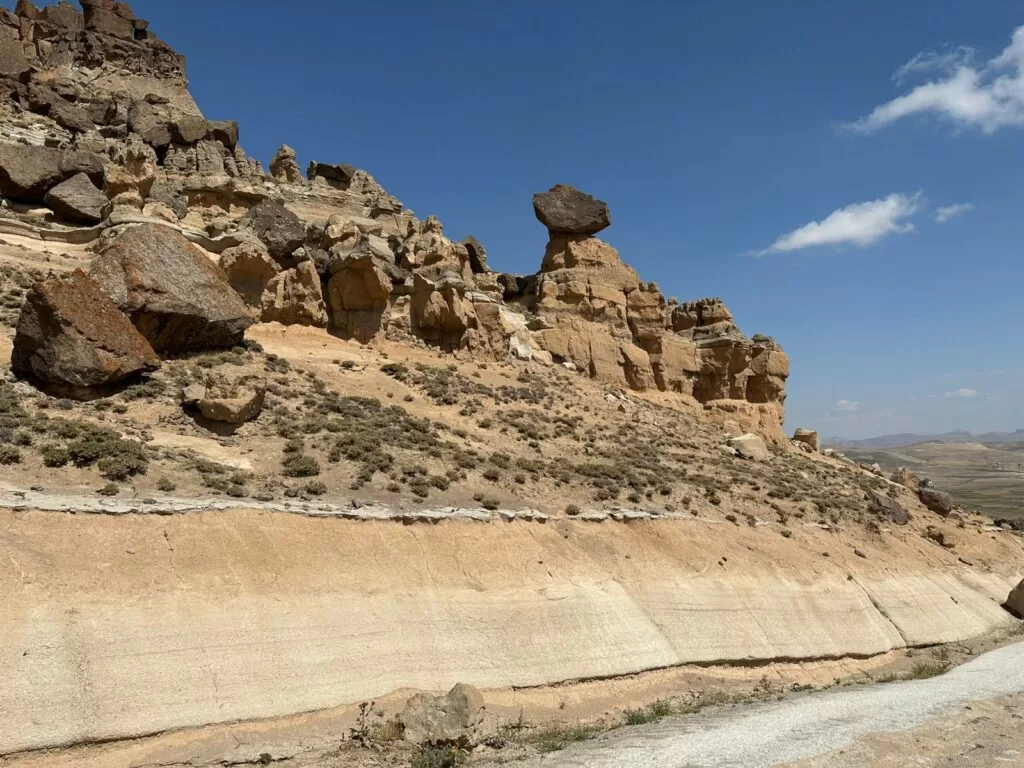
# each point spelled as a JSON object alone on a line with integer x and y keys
{"x": 714, "y": 130}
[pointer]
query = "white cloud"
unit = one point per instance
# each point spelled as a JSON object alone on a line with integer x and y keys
{"x": 860, "y": 224}
{"x": 962, "y": 393}
{"x": 848, "y": 406}
{"x": 947, "y": 212}
{"x": 986, "y": 97}
{"x": 935, "y": 61}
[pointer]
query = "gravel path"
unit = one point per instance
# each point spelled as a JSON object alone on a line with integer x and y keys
{"x": 803, "y": 727}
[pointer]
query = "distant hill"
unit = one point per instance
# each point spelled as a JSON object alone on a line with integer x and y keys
{"x": 907, "y": 438}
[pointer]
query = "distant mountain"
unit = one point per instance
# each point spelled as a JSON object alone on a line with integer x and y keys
{"x": 909, "y": 438}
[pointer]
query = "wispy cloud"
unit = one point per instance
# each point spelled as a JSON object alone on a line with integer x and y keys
{"x": 947, "y": 212}
{"x": 857, "y": 224}
{"x": 986, "y": 97}
{"x": 965, "y": 392}
{"x": 848, "y": 406}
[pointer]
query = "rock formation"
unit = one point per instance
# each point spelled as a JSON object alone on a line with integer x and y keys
{"x": 73, "y": 339}
{"x": 339, "y": 250}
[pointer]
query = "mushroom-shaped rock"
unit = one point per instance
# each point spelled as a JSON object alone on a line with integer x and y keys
{"x": 174, "y": 294}
{"x": 78, "y": 200}
{"x": 72, "y": 338}
{"x": 278, "y": 228}
{"x": 566, "y": 210}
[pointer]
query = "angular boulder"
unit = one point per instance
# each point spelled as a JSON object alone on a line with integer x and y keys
{"x": 938, "y": 502}
{"x": 78, "y": 200}
{"x": 566, "y": 210}
{"x": 889, "y": 508}
{"x": 73, "y": 338}
{"x": 1015, "y": 602}
{"x": 336, "y": 175}
{"x": 177, "y": 297}
{"x": 808, "y": 437}
{"x": 277, "y": 228}
{"x": 456, "y": 718}
{"x": 295, "y": 297}
{"x": 236, "y": 404}
{"x": 750, "y": 446}
{"x": 27, "y": 173}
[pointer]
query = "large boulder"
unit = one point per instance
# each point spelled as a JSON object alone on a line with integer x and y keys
{"x": 1015, "y": 602}
{"x": 889, "y": 507}
{"x": 567, "y": 211}
{"x": 750, "y": 446}
{"x": 295, "y": 297}
{"x": 174, "y": 294}
{"x": 27, "y": 173}
{"x": 278, "y": 228}
{"x": 73, "y": 338}
{"x": 233, "y": 403}
{"x": 78, "y": 200}
{"x": 809, "y": 438}
{"x": 938, "y": 502}
{"x": 455, "y": 718}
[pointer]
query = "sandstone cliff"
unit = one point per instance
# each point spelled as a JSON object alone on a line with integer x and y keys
{"x": 96, "y": 89}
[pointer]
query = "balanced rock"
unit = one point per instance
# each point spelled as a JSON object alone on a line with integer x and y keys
{"x": 72, "y": 337}
{"x": 938, "y": 502}
{"x": 78, "y": 200}
{"x": 174, "y": 294}
{"x": 295, "y": 297}
{"x": 808, "y": 437}
{"x": 906, "y": 478}
{"x": 567, "y": 211}
{"x": 278, "y": 228}
{"x": 455, "y": 718}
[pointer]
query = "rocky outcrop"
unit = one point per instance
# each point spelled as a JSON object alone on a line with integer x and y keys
{"x": 337, "y": 175}
{"x": 285, "y": 166}
{"x": 358, "y": 293}
{"x": 175, "y": 296}
{"x": 277, "y": 227}
{"x": 295, "y": 297}
{"x": 27, "y": 173}
{"x": 78, "y": 200}
{"x": 73, "y": 339}
{"x": 249, "y": 269}
{"x": 906, "y": 478}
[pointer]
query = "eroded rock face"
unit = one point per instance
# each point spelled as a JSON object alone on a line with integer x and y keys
{"x": 72, "y": 338}
{"x": 295, "y": 297}
{"x": 568, "y": 211}
{"x": 285, "y": 166}
{"x": 175, "y": 296}
{"x": 358, "y": 293}
{"x": 78, "y": 200}
{"x": 439, "y": 312}
{"x": 249, "y": 269}
{"x": 27, "y": 173}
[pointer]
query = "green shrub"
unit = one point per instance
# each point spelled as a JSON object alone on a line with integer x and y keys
{"x": 439, "y": 756}
{"x": 55, "y": 455}
{"x": 301, "y": 465}
{"x": 110, "y": 489}
{"x": 9, "y": 455}
{"x": 316, "y": 488}
{"x": 166, "y": 485}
